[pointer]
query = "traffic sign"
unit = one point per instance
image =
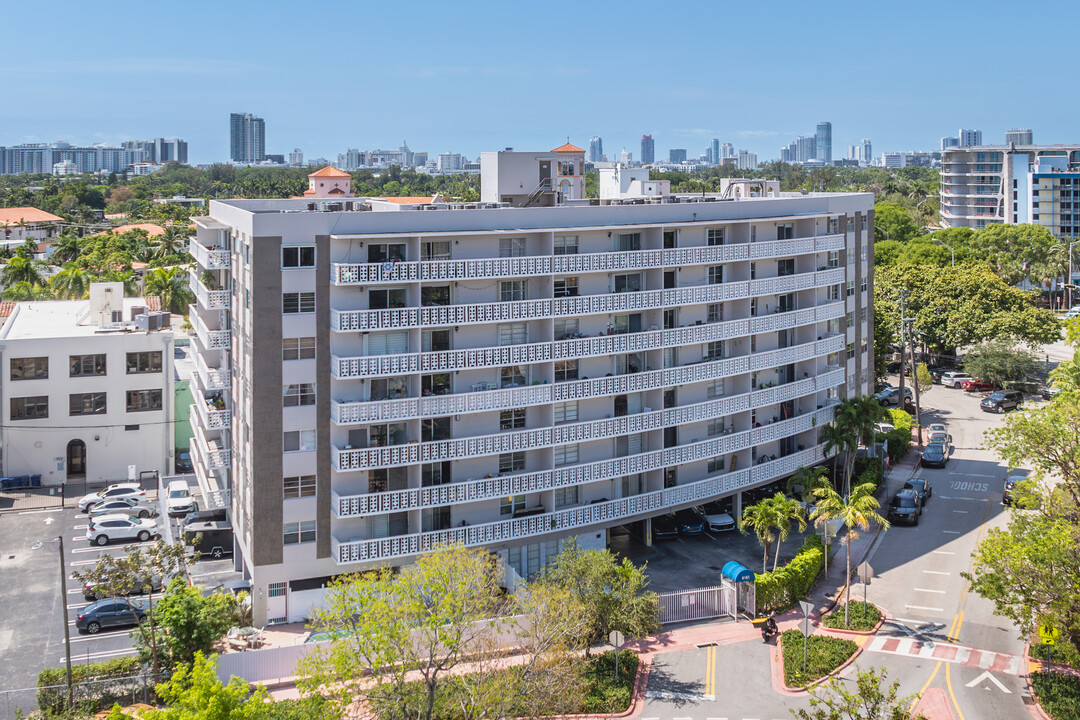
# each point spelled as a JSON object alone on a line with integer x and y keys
{"x": 616, "y": 638}
{"x": 807, "y": 607}
{"x": 1049, "y": 634}
{"x": 866, "y": 572}
{"x": 806, "y": 627}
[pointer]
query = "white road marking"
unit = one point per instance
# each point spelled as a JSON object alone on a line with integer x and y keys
{"x": 923, "y": 607}
{"x": 936, "y": 572}
{"x": 962, "y": 512}
{"x": 35, "y": 512}
{"x": 88, "y": 638}
{"x": 987, "y": 676}
{"x": 943, "y": 552}
{"x": 951, "y": 532}
{"x": 914, "y": 622}
{"x": 665, "y": 695}
{"x": 102, "y": 655}
{"x": 936, "y": 592}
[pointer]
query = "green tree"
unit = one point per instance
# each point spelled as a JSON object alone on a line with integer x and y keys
{"x": 71, "y": 283}
{"x": 856, "y": 512}
{"x": 22, "y": 269}
{"x": 1066, "y": 376}
{"x": 893, "y": 222}
{"x": 841, "y": 436}
{"x": 172, "y": 242}
{"x": 192, "y": 622}
{"x": 761, "y": 518}
{"x": 1046, "y": 440}
{"x": 922, "y": 376}
{"x": 67, "y": 249}
{"x": 615, "y": 592}
{"x": 999, "y": 363}
{"x": 833, "y": 700}
{"x": 196, "y": 693}
{"x": 170, "y": 285}
{"x": 786, "y": 511}
{"x": 23, "y": 290}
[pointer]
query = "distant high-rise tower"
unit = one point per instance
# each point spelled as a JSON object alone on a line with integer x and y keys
{"x": 727, "y": 150}
{"x": 948, "y": 142}
{"x": 677, "y": 155}
{"x": 296, "y": 157}
{"x": 823, "y": 142}
{"x": 968, "y": 138}
{"x": 1019, "y": 136}
{"x": 626, "y": 157}
{"x": 648, "y": 152}
{"x": 805, "y": 148}
{"x": 247, "y": 138}
{"x": 866, "y": 151}
{"x": 716, "y": 151}
{"x": 596, "y": 149}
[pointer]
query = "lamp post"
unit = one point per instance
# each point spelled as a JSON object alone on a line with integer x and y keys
{"x": 1069, "y": 273}
{"x": 942, "y": 243}
{"x": 887, "y": 235}
{"x": 63, "y": 611}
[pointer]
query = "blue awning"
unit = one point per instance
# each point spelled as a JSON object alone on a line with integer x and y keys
{"x": 737, "y": 572}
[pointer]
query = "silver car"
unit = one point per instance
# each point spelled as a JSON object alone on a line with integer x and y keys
{"x": 113, "y": 492}
{"x": 104, "y": 529}
{"x": 124, "y": 506}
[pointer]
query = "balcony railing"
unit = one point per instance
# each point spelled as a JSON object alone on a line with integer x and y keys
{"x": 598, "y": 515}
{"x": 210, "y": 339}
{"x": 209, "y": 299}
{"x": 211, "y": 378}
{"x": 212, "y": 419}
{"x": 210, "y": 452}
{"x": 209, "y": 258}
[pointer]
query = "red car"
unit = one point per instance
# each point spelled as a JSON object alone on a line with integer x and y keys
{"x": 976, "y": 384}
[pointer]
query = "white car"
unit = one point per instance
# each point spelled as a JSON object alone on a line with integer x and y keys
{"x": 884, "y": 427}
{"x": 108, "y": 528}
{"x": 935, "y": 428}
{"x": 953, "y": 378}
{"x": 716, "y": 520}
{"x": 113, "y": 492}
{"x": 123, "y": 506}
{"x": 179, "y": 500}
{"x": 1073, "y": 312}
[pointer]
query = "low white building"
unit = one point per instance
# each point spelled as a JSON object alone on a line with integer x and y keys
{"x": 626, "y": 182}
{"x": 19, "y": 224}
{"x": 527, "y": 179}
{"x": 87, "y": 391}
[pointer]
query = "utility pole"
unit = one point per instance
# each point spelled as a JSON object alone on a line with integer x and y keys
{"x": 915, "y": 382}
{"x": 67, "y": 630}
{"x": 903, "y": 301}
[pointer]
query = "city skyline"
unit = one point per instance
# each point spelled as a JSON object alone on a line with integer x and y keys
{"x": 480, "y": 89}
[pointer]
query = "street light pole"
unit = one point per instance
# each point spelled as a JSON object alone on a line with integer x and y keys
{"x": 67, "y": 630}
{"x": 887, "y": 235}
{"x": 942, "y": 243}
{"x": 1069, "y": 274}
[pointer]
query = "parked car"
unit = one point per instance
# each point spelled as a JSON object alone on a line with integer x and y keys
{"x": 113, "y": 492}
{"x": 1073, "y": 312}
{"x": 940, "y": 437}
{"x": 921, "y": 486}
{"x": 689, "y": 522}
{"x": 905, "y": 507}
{"x": 893, "y": 367}
{"x": 1049, "y": 392}
{"x": 1010, "y": 488}
{"x": 123, "y": 506}
{"x": 182, "y": 463}
{"x": 891, "y": 396}
{"x": 936, "y": 374}
{"x": 1002, "y": 400}
{"x": 110, "y": 613}
{"x": 935, "y": 428}
{"x": 105, "y": 529}
{"x": 717, "y": 518}
{"x": 664, "y": 528}
{"x": 935, "y": 455}
{"x": 976, "y": 385}
{"x": 212, "y": 538}
{"x": 953, "y": 378}
{"x": 179, "y": 500}
{"x": 884, "y": 427}
{"x": 93, "y": 591}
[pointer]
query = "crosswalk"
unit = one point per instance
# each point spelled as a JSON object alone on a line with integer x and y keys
{"x": 946, "y": 652}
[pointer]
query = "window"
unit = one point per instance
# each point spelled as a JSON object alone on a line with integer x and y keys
{"x": 833, "y": 292}
{"x": 435, "y": 473}
{"x": 383, "y": 299}
{"x": 850, "y": 350}
{"x": 144, "y": 362}
{"x": 565, "y": 328}
{"x": 834, "y": 225}
{"x": 82, "y": 365}
{"x": 566, "y": 244}
{"x": 142, "y": 400}
{"x": 511, "y": 462}
{"x": 834, "y": 258}
{"x": 298, "y": 394}
{"x": 511, "y": 290}
{"x": 627, "y": 323}
{"x": 753, "y": 271}
{"x": 862, "y": 226}
{"x": 433, "y": 295}
{"x": 436, "y": 384}
{"x": 629, "y": 282}
{"x": 716, "y": 274}
{"x": 715, "y": 389}
{"x": 298, "y": 440}
{"x": 850, "y": 287}
{"x": 298, "y": 256}
{"x": 511, "y": 505}
{"x": 388, "y": 343}
{"x": 785, "y": 231}
{"x": 294, "y": 303}
{"x": 513, "y": 333}
{"x": 435, "y": 429}
{"x": 671, "y": 318}
{"x": 435, "y": 340}
{"x": 862, "y": 284}
{"x": 785, "y": 267}
{"x": 566, "y": 370}
{"x": 35, "y": 368}
{"x": 671, "y": 397}
{"x": 628, "y": 445}
{"x": 566, "y": 496}
{"x": 625, "y": 242}
{"x": 671, "y": 357}
{"x": 862, "y": 315}
{"x": 296, "y": 533}
{"x": 851, "y": 319}
{"x": 566, "y": 411}
{"x": 131, "y": 427}
{"x": 862, "y": 251}
{"x": 29, "y": 408}
{"x": 512, "y": 376}
{"x": 388, "y": 388}
{"x": 387, "y": 435}
{"x": 297, "y": 348}
{"x": 384, "y": 252}
{"x": 435, "y": 250}
{"x": 716, "y": 427}
{"x": 299, "y": 486}
{"x": 511, "y": 247}
{"x": 86, "y": 403}
{"x": 753, "y": 233}
{"x": 513, "y": 419}
{"x": 716, "y": 465}
{"x": 714, "y": 236}
{"x": 566, "y": 287}
{"x": 715, "y": 313}
{"x": 671, "y": 239}
{"x": 566, "y": 454}
{"x": 713, "y": 350}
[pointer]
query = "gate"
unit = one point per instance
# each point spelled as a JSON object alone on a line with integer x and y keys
{"x": 699, "y": 604}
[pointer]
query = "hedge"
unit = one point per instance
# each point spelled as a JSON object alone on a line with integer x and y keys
{"x": 91, "y": 692}
{"x": 824, "y": 654}
{"x": 790, "y": 582}
{"x": 900, "y": 438}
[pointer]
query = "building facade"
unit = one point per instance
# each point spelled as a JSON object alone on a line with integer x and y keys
{"x": 19, "y": 224}
{"x": 247, "y": 138}
{"x": 596, "y": 149}
{"x": 41, "y": 158}
{"x": 823, "y": 142}
{"x": 508, "y": 377}
{"x": 648, "y": 150}
{"x": 87, "y": 392}
{"x": 1019, "y": 136}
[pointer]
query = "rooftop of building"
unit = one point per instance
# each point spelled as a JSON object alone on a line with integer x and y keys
{"x": 42, "y": 319}
{"x": 16, "y": 215}
{"x": 1018, "y": 148}
{"x": 329, "y": 171}
{"x": 151, "y": 229}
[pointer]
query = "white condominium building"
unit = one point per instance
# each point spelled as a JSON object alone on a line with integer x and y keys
{"x": 379, "y": 378}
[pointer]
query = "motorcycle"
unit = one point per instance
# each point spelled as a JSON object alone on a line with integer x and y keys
{"x": 768, "y": 628}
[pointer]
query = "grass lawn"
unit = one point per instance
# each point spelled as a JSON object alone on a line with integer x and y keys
{"x": 823, "y": 655}
{"x": 861, "y": 616}
{"x": 1058, "y": 694}
{"x": 1062, "y": 653}
{"x": 603, "y": 693}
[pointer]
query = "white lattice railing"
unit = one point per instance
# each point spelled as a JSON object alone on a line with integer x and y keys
{"x": 210, "y": 339}
{"x": 209, "y": 299}
{"x": 598, "y": 515}
{"x": 211, "y": 378}
{"x": 214, "y": 456}
{"x": 209, "y": 258}
{"x": 212, "y": 419}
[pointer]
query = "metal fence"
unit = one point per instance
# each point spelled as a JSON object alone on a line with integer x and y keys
{"x": 91, "y": 696}
{"x": 66, "y": 494}
{"x": 698, "y": 604}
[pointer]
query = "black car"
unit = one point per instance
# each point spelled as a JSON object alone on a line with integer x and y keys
{"x": 905, "y": 507}
{"x": 935, "y": 455}
{"x": 216, "y": 514}
{"x": 1010, "y": 488}
{"x": 1002, "y": 400}
{"x": 93, "y": 591}
{"x": 936, "y": 373}
{"x": 664, "y": 528}
{"x": 182, "y": 463}
{"x": 689, "y": 522}
{"x": 110, "y": 613}
{"x": 921, "y": 486}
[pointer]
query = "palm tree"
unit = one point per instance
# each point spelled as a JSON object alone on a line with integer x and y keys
{"x": 761, "y": 518}
{"x": 171, "y": 286}
{"x": 22, "y": 269}
{"x": 173, "y": 242}
{"x": 785, "y": 511}
{"x": 22, "y": 291}
{"x": 856, "y": 512}
{"x": 67, "y": 249}
{"x": 71, "y": 283}
{"x": 867, "y": 414}
{"x": 838, "y": 437}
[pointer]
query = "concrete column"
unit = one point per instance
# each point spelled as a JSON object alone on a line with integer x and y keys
{"x": 648, "y": 532}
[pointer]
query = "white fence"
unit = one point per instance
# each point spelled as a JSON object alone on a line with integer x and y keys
{"x": 268, "y": 665}
{"x": 699, "y": 604}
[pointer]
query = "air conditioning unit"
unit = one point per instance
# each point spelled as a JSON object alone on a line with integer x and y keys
{"x": 137, "y": 310}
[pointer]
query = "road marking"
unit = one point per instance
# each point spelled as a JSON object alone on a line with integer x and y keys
{"x": 936, "y": 572}
{"x": 951, "y": 532}
{"x": 101, "y": 655}
{"x": 666, "y": 695}
{"x": 36, "y": 512}
{"x": 922, "y": 607}
{"x": 88, "y": 638}
{"x": 943, "y": 552}
{"x": 962, "y": 512}
{"x": 951, "y": 472}
{"x": 987, "y": 676}
{"x": 937, "y": 592}
{"x": 954, "y": 497}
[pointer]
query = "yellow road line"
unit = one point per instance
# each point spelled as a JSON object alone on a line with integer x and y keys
{"x": 710, "y": 670}
{"x": 952, "y": 696}
{"x": 929, "y": 680}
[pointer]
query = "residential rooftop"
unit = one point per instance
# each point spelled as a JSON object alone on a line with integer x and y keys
{"x": 41, "y": 319}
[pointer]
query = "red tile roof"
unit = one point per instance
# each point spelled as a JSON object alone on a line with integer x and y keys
{"x": 568, "y": 148}
{"x": 151, "y": 229}
{"x": 15, "y": 215}
{"x": 329, "y": 171}
{"x": 6, "y": 308}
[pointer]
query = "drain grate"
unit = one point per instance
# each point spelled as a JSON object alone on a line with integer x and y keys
{"x": 705, "y": 645}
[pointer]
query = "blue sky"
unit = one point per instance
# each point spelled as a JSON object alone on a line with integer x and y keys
{"x": 472, "y": 76}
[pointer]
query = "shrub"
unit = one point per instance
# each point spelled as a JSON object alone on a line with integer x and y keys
{"x": 1059, "y": 694}
{"x": 823, "y": 655}
{"x": 603, "y": 693}
{"x": 1062, "y": 653}
{"x": 779, "y": 589}
{"x": 861, "y": 616}
{"x": 92, "y": 691}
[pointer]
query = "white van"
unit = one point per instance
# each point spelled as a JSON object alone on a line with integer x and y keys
{"x": 179, "y": 500}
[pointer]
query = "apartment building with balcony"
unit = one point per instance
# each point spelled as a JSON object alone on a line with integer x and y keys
{"x": 377, "y": 379}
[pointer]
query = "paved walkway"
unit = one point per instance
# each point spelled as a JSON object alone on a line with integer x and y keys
{"x": 945, "y": 652}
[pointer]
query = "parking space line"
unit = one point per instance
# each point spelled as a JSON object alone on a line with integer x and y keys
{"x": 936, "y": 572}
{"x": 951, "y": 532}
{"x": 943, "y": 552}
{"x": 928, "y": 590}
{"x": 102, "y": 655}
{"x": 88, "y": 638}
{"x": 962, "y": 512}
{"x": 37, "y": 512}
{"x": 923, "y": 607}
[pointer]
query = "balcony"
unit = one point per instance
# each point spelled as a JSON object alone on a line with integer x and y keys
{"x": 212, "y": 453}
{"x": 208, "y": 299}
{"x": 598, "y": 515}
{"x": 210, "y": 339}
{"x": 211, "y": 378}
{"x": 209, "y": 258}
{"x": 214, "y": 414}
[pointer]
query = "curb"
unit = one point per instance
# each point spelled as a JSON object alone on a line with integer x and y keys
{"x": 637, "y": 696}
{"x": 873, "y": 631}
{"x": 1036, "y": 707}
{"x": 777, "y": 656}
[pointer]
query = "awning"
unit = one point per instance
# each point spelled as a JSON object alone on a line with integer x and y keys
{"x": 737, "y": 572}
